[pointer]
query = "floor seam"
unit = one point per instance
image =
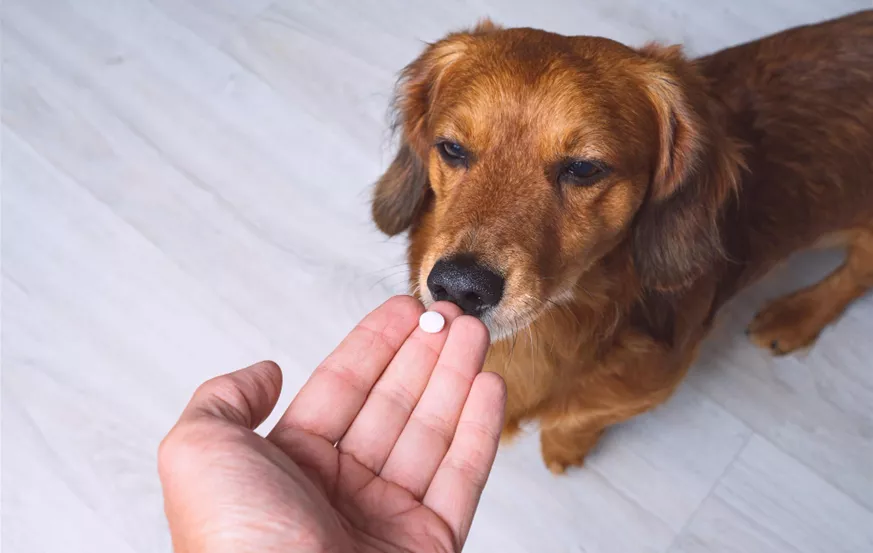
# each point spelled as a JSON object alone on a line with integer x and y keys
{"x": 712, "y": 488}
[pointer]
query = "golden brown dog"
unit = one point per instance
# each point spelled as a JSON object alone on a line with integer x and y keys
{"x": 595, "y": 204}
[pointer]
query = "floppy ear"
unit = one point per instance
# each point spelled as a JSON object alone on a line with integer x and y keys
{"x": 401, "y": 193}
{"x": 676, "y": 236}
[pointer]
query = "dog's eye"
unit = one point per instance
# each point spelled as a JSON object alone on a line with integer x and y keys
{"x": 581, "y": 173}
{"x": 452, "y": 152}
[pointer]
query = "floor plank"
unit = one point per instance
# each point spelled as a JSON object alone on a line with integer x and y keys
{"x": 768, "y": 502}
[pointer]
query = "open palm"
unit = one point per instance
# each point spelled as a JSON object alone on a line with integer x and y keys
{"x": 386, "y": 448}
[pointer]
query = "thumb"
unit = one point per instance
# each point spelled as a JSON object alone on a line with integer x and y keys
{"x": 245, "y": 397}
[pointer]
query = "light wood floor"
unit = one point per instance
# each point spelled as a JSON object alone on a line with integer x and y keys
{"x": 185, "y": 189}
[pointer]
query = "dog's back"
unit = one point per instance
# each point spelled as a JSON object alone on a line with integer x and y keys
{"x": 802, "y": 101}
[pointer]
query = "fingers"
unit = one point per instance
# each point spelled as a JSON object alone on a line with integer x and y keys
{"x": 336, "y": 391}
{"x": 425, "y": 439}
{"x": 376, "y": 429}
{"x": 458, "y": 483}
{"x": 245, "y": 397}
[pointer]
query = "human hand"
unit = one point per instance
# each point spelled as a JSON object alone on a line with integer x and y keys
{"x": 416, "y": 429}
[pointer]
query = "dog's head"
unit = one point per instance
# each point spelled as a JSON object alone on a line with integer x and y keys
{"x": 526, "y": 157}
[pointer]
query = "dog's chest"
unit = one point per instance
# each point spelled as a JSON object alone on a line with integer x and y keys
{"x": 539, "y": 362}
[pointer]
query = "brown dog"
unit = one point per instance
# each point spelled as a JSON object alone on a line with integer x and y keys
{"x": 595, "y": 205}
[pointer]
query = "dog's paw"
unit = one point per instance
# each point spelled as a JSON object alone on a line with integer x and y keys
{"x": 558, "y": 460}
{"x": 511, "y": 430}
{"x": 561, "y": 452}
{"x": 560, "y": 466}
{"x": 787, "y": 324}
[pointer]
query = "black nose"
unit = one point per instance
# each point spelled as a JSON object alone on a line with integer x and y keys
{"x": 464, "y": 282}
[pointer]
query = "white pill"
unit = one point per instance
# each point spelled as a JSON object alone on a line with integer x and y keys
{"x": 431, "y": 322}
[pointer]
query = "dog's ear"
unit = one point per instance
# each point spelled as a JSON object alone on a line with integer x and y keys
{"x": 401, "y": 193}
{"x": 676, "y": 235}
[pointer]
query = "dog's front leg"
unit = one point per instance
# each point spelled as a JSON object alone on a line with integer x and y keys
{"x": 635, "y": 376}
{"x": 567, "y": 443}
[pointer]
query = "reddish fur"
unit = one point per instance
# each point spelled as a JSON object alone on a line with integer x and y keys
{"x": 723, "y": 166}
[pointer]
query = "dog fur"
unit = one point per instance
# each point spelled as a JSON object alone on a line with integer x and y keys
{"x": 716, "y": 169}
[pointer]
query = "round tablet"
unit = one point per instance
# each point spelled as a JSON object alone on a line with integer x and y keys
{"x": 431, "y": 322}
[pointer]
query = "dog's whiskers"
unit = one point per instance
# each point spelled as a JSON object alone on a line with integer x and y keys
{"x": 566, "y": 309}
{"x": 532, "y": 350}
{"x": 512, "y": 347}
{"x": 386, "y": 277}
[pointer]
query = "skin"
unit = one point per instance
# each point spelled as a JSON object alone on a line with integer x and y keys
{"x": 415, "y": 426}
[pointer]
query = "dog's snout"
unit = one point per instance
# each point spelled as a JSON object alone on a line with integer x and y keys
{"x": 465, "y": 282}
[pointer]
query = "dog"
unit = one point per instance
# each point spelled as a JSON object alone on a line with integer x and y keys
{"x": 595, "y": 205}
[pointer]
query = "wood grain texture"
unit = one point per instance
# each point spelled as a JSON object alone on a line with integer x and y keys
{"x": 185, "y": 191}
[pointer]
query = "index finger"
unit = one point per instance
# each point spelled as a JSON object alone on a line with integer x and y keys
{"x": 334, "y": 394}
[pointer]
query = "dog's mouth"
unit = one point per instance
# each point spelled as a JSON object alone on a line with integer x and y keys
{"x": 480, "y": 292}
{"x": 506, "y": 323}
{"x": 502, "y": 323}
{"x": 504, "y": 326}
